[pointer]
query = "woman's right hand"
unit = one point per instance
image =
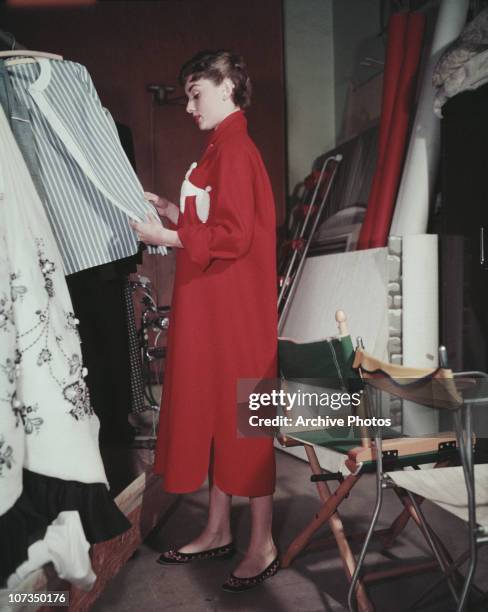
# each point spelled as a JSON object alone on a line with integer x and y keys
{"x": 160, "y": 204}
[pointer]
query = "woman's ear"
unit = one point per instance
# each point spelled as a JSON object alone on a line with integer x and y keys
{"x": 227, "y": 88}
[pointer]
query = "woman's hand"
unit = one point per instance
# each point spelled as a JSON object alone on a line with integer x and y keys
{"x": 164, "y": 207}
{"x": 152, "y": 232}
{"x": 159, "y": 203}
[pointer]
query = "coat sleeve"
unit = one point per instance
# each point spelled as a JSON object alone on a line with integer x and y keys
{"x": 229, "y": 230}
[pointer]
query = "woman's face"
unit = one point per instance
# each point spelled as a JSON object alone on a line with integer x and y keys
{"x": 208, "y": 103}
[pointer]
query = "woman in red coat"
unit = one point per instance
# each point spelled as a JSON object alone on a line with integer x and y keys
{"x": 223, "y": 320}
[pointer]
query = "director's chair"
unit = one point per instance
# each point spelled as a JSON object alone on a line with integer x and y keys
{"x": 452, "y": 488}
{"x": 347, "y": 453}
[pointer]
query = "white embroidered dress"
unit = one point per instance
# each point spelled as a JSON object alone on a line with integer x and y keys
{"x": 46, "y": 422}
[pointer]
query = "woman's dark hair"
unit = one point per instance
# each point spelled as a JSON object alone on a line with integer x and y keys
{"x": 217, "y": 66}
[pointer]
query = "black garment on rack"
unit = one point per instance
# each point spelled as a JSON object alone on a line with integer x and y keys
{"x": 99, "y": 301}
{"x": 464, "y": 281}
{"x": 42, "y": 499}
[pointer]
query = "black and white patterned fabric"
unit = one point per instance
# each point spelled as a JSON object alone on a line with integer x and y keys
{"x": 136, "y": 375}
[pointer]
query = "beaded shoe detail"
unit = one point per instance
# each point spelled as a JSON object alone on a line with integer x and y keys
{"x": 174, "y": 557}
{"x": 234, "y": 584}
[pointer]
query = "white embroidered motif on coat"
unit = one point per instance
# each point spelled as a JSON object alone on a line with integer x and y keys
{"x": 202, "y": 196}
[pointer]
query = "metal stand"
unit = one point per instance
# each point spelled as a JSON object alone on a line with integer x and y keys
{"x": 303, "y": 236}
{"x": 154, "y": 320}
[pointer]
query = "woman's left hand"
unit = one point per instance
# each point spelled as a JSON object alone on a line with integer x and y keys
{"x": 152, "y": 232}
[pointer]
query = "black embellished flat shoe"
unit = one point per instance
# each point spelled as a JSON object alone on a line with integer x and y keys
{"x": 174, "y": 557}
{"x": 235, "y": 584}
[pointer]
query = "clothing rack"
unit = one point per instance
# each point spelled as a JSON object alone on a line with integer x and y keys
{"x": 26, "y": 53}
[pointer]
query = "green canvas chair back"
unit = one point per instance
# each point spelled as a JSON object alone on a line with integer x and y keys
{"x": 329, "y": 360}
{"x": 319, "y": 366}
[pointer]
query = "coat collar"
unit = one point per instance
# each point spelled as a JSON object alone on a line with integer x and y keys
{"x": 232, "y": 124}
{"x": 44, "y": 75}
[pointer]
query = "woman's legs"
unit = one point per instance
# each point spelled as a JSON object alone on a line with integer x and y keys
{"x": 217, "y": 530}
{"x": 262, "y": 549}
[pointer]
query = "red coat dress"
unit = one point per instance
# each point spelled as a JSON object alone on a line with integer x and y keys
{"x": 223, "y": 319}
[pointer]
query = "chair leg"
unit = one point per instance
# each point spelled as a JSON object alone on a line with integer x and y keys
{"x": 414, "y": 515}
{"x": 322, "y": 516}
{"x": 337, "y": 528}
{"x": 466, "y": 452}
{"x": 451, "y": 570}
{"x": 433, "y": 541}
{"x": 443, "y": 557}
{"x": 328, "y": 510}
{"x": 395, "y": 528}
{"x": 376, "y": 512}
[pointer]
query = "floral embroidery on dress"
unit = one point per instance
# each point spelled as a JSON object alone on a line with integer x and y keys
{"x": 11, "y": 367}
{"x": 47, "y": 268}
{"x": 17, "y": 291}
{"x": 24, "y": 414}
{"x": 44, "y": 356}
{"x": 74, "y": 364}
{"x": 10, "y": 370}
{"x": 38, "y": 338}
{"x": 71, "y": 321}
{"x": 6, "y": 455}
{"x": 77, "y": 393}
{"x": 44, "y": 404}
{"x": 6, "y": 313}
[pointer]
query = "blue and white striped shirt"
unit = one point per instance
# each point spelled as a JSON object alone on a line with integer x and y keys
{"x": 90, "y": 186}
